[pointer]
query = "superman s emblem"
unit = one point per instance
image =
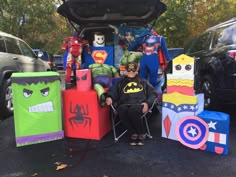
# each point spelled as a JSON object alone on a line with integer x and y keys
{"x": 99, "y": 56}
{"x": 132, "y": 87}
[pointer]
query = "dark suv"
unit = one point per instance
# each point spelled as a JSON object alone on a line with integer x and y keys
{"x": 215, "y": 53}
{"x": 15, "y": 56}
{"x": 59, "y": 62}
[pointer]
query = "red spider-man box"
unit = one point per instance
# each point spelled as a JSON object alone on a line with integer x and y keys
{"x": 83, "y": 116}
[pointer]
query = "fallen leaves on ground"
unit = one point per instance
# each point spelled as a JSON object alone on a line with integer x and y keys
{"x": 57, "y": 163}
{"x": 61, "y": 166}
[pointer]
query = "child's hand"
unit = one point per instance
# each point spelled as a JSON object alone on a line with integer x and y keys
{"x": 108, "y": 101}
{"x": 145, "y": 107}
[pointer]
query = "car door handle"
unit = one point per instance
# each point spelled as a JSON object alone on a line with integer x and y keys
{"x": 14, "y": 58}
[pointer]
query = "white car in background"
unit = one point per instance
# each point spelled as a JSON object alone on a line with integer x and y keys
{"x": 15, "y": 56}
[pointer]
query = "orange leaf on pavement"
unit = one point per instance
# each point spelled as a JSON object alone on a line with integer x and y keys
{"x": 62, "y": 166}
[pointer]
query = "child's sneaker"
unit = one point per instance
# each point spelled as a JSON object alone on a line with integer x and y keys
{"x": 141, "y": 139}
{"x": 133, "y": 140}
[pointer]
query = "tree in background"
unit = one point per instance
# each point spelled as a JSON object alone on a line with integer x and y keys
{"x": 173, "y": 23}
{"x": 38, "y": 23}
{"x": 207, "y": 13}
{"x": 185, "y": 19}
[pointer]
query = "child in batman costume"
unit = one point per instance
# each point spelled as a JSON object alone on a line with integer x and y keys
{"x": 134, "y": 96}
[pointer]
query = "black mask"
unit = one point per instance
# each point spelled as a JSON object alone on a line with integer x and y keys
{"x": 131, "y": 67}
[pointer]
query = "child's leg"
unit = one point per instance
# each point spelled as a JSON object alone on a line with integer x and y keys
{"x": 135, "y": 113}
{"x": 125, "y": 118}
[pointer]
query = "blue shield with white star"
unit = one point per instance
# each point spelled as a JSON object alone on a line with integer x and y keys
{"x": 192, "y": 132}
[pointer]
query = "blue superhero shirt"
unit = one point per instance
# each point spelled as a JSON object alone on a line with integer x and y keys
{"x": 149, "y": 63}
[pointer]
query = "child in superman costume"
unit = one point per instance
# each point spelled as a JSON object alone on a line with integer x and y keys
{"x": 155, "y": 54}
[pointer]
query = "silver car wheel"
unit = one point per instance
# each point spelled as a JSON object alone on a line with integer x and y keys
{"x": 206, "y": 88}
{"x": 8, "y": 97}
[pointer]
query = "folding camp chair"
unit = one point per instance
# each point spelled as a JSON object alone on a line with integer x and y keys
{"x": 116, "y": 122}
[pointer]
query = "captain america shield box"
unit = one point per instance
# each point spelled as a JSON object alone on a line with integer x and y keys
{"x": 192, "y": 132}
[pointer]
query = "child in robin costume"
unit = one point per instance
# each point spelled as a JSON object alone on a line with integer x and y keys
{"x": 133, "y": 96}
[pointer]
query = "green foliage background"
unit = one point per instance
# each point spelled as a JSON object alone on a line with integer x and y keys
{"x": 185, "y": 19}
{"x": 38, "y": 23}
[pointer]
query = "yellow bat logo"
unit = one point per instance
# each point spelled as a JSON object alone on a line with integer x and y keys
{"x": 132, "y": 87}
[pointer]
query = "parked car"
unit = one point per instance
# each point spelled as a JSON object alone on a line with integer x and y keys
{"x": 215, "y": 53}
{"x": 174, "y": 52}
{"x": 44, "y": 55}
{"x": 59, "y": 62}
{"x": 15, "y": 56}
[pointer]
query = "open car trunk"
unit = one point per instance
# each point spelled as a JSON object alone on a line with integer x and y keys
{"x": 129, "y": 17}
{"x": 84, "y": 12}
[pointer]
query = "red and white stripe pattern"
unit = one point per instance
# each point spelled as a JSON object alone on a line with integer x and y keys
{"x": 215, "y": 137}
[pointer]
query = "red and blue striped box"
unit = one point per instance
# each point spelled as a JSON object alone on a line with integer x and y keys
{"x": 218, "y": 139}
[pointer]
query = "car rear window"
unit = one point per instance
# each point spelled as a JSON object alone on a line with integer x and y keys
{"x": 26, "y": 50}
{"x": 2, "y": 45}
{"x": 200, "y": 43}
{"x": 12, "y": 46}
{"x": 226, "y": 35}
{"x": 58, "y": 59}
{"x": 45, "y": 56}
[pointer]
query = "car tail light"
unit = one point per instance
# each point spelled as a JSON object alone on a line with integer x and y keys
{"x": 232, "y": 54}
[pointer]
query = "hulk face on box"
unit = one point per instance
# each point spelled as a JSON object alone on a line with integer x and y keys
{"x": 37, "y": 107}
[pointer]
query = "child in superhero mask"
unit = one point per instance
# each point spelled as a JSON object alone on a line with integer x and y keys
{"x": 129, "y": 57}
{"x": 133, "y": 96}
{"x": 102, "y": 78}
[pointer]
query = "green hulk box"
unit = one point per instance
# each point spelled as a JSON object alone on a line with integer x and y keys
{"x": 37, "y": 107}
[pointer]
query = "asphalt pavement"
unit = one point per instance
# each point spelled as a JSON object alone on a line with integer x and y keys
{"x": 159, "y": 157}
